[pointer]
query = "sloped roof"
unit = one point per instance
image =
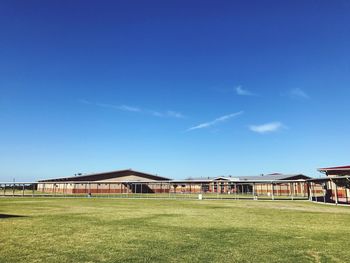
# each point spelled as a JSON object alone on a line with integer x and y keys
{"x": 337, "y": 170}
{"x": 267, "y": 177}
{"x": 105, "y": 176}
{"x": 275, "y": 176}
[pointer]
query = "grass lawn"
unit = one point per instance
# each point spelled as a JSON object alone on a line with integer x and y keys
{"x": 146, "y": 230}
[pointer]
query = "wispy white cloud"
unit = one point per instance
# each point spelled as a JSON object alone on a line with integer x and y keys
{"x": 298, "y": 93}
{"x": 119, "y": 107}
{"x": 165, "y": 114}
{"x": 243, "y": 92}
{"x": 174, "y": 114}
{"x": 129, "y": 108}
{"x": 267, "y": 127}
{"x": 216, "y": 121}
{"x": 155, "y": 113}
{"x": 84, "y": 101}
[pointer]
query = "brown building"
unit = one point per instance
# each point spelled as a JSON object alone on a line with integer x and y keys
{"x": 121, "y": 181}
{"x": 130, "y": 181}
{"x": 337, "y": 183}
{"x": 270, "y": 184}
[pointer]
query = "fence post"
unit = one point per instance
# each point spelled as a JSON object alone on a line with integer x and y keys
{"x": 336, "y": 193}
{"x": 235, "y": 191}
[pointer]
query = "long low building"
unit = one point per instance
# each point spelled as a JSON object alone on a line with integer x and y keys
{"x": 121, "y": 181}
{"x": 130, "y": 181}
{"x": 276, "y": 183}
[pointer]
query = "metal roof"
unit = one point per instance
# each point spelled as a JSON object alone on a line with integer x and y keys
{"x": 346, "y": 167}
{"x": 267, "y": 177}
{"x": 275, "y": 176}
{"x": 105, "y": 175}
{"x": 337, "y": 170}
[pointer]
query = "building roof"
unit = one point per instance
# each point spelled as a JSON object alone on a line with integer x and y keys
{"x": 121, "y": 173}
{"x": 105, "y": 176}
{"x": 267, "y": 177}
{"x": 275, "y": 176}
{"x": 337, "y": 170}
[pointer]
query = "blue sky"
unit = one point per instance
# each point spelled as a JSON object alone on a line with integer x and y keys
{"x": 175, "y": 88}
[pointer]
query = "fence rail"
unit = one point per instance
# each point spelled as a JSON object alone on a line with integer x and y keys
{"x": 325, "y": 190}
{"x": 166, "y": 189}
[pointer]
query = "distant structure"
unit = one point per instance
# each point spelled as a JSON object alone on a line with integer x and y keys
{"x": 130, "y": 181}
{"x": 123, "y": 181}
{"x": 336, "y": 171}
{"x": 336, "y": 185}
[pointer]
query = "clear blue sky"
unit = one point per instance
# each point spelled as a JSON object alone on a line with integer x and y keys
{"x": 176, "y": 88}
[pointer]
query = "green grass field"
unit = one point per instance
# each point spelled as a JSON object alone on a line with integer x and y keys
{"x": 141, "y": 230}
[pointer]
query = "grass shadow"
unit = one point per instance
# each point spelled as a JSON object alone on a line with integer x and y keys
{"x": 2, "y": 216}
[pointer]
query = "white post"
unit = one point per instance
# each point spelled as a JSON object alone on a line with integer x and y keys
{"x": 336, "y": 193}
